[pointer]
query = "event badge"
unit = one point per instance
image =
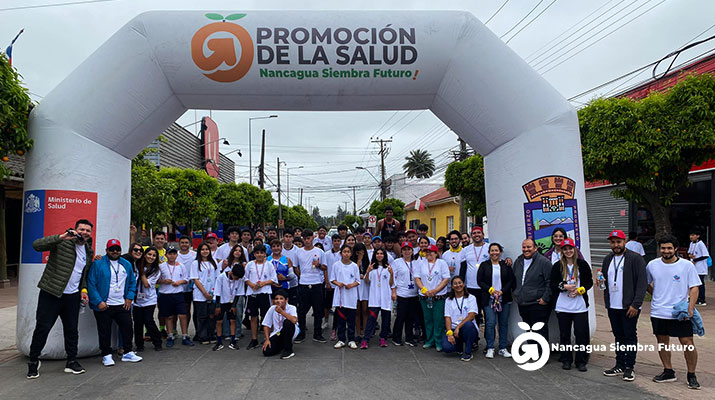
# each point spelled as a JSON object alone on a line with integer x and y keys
{"x": 614, "y": 287}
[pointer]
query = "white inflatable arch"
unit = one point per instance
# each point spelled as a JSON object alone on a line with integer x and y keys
{"x": 160, "y": 64}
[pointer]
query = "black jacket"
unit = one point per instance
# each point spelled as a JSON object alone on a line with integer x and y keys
{"x": 635, "y": 280}
{"x": 537, "y": 284}
{"x": 484, "y": 279}
{"x": 585, "y": 277}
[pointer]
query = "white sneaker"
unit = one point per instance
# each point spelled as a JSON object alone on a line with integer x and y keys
{"x": 490, "y": 353}
{"x": 352, "y": 345}
{"x": 108, "y": 361}
{"x": 504, "y": 353}
{"x": 339, "y": 345}
{"x": 131, "y": 357}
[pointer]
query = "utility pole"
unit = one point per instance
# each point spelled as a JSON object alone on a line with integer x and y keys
{"x": 261, "y": 169}
{"x": 280, "y": 208}
{"x": 383, "y": 153}
{"x": 301, "y": 197}
{"x": 354, "y": 205}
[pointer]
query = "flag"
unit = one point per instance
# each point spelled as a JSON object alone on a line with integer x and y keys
{"x": 419, "y": 205}
{"x": 8, "y": 51}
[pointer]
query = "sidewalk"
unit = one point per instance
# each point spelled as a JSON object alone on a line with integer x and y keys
{"x": 8, "y": 316}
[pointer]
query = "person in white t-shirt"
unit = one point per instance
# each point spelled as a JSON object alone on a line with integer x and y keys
{"x": 360, "y": 259}
{"x": 280, "y": 326}
{"x": 634, "y": 245}
{"x": 460, "y": 311}
{"x": 145, "y": 300}
{"x": 407, "y": 302}
{"x": 454, "y": 256}
{"x": 331, "y": 257}
{"x": 698, "y": 254}
{"x": 380, "y": 279}
{"x": 186, "y": 256}
{"x": 422, "y": 230}
{"x": 203, "y": 273}
{"x": 260, "y": 277}
{"x": 234, "y": 236}
{"x": 345, "y": 277}
{"x": 432, "y": 277}
{"x": 173, "y": 280}
{"x": 466, "y": 240}
{"x": 226, "y": 299}
{"x": 312, "y": 271}
{"x": 323, "y": 239}
{"x": 571, "y": 279}
{"x": 673, "y": 282}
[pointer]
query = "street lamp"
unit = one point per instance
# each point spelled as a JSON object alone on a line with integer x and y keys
{"x": 250, "y": 149}
{"x": 382, "y": 185}
{"x": 225, "y": 142}
{"x": 288, "y": 182}
{"x": 234, "y": 151}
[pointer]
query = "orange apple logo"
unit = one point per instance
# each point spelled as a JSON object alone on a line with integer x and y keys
{"x": 224, "y": 49}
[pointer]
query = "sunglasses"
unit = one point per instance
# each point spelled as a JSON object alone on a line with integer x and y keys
{"x": 115, "y": 248}
{"x": 139, "y": 249}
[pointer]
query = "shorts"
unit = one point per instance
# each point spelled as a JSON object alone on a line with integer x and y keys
{"x": 188, "y": 298}
{"x": 328, "y": 298}
{"x": 172, "y": 304}
{"x": 258, "y": 304}
{"x": 226, "y": 310}
{"x": 671, "y": 327}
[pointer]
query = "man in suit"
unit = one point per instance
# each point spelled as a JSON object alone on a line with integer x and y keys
{"x": 533, "y": 293}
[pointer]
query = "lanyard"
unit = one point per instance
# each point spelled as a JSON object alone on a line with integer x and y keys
{"x": 379, "y": 275}
{"x": 263, "y": 266}
{"x": 571, "y": 272}
{"x": 430, "y": 268}
{"x": 116, "y": 273}
{"x": 171, "y": 270}
{"x": 478, "y": 257}
{"x": 620, "y": 264}
{"x": 459, "y": 306}
{"x": 410, "y": 269}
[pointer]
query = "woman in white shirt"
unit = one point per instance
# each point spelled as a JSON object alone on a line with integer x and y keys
{"x": 431, "y": 279}
{"x": 381, "y": 282}
{"x": 407, "y": 303}
{"x": 571, "y": 278}
{"x": 496, "y": 280}
{"x": 145, "y": 300}
{"x": 460, "y": 309}
{"x": 203, "y": 273}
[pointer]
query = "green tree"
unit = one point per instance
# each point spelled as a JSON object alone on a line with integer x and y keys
{"x": 466, "y": 179}
{"x": 650, "y": 144}
{"x": 234, "y": 206}
{"x": 261, "y": 202}
{"x": 377, "y": 208}
{"x": 293, "y": 217}
{"x": 152, "y": 201}
{"x": 194, "y": 194}
{"x": 15, "y": 106}
{"x": 419, "y": 164}
{"x": 349, "y": 220}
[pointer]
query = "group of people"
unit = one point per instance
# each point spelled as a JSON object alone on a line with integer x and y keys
{"x": 440, "y": 297}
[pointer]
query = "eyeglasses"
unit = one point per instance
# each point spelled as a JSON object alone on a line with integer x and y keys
{"x": 139, "y": 249}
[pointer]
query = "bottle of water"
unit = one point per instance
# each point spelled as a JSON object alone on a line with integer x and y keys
{"x": 430, "y": 302}
{"x": 601, "y": 280}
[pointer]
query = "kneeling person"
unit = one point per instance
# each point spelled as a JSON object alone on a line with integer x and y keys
{"x": 280, "y": 325}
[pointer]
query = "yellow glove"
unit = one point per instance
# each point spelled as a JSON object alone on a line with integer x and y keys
{"x": 424, "y": 290}
{"x": 581, "y": 290}
{"x": 450, "y": 333}
{"x": 491, "y": 290}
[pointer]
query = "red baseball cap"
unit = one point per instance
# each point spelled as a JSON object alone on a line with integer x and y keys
{"x": 211, "y": 235}
{"x": 113, "y": 242}
{"x": 617, "y": 234}
{"x": 568, "y": 242}
{"x": 478, "y": 228}
{"x": 411, "y": 231}
{"x": 433, "y": 247}
{"x": 407, "y": 244}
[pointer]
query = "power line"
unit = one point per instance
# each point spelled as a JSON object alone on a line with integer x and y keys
{"x": 522, "y": 20}
{"x": 603, "y": 37}
{"x": 496, "y": 12}
{"x": 55, "y": 5}
{"x": 529, "y": 23}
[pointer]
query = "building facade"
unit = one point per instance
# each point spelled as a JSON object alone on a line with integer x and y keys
{"x": 441, "y": 213}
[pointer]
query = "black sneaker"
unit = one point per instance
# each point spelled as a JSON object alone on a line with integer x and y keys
{"x": 233, "y": 346}
{"x": 300, "y": 338}
{"x": 287, "y": 354}
{"x": 411, "y": 343}
{"x": 33, "y": 369}
{"x": 564, "y": 365}
{"x": 319, "y": 339}
{"x": 615, "y": 371}
{"x": 73, "y": 367}
{"x": 629, "y": 375}
{"x": 666, "y": 376}
{"x": 252, "y": 344}
{"x": 217, "y": 347}
{"x": 693, "y": 382}
{"x": 396, "y": 342}
{"x": 581, "y": 367}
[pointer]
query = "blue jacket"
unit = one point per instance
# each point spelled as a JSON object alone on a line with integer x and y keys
{"x": 99, "y": 277}
{"x": 680, "y": 312}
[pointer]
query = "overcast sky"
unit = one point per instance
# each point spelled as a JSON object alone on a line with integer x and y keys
{"x": 575, "y": 44}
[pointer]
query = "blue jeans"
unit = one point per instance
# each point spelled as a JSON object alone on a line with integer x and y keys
{"x": 467, "y": 336}
{"x": 491, "y": 322}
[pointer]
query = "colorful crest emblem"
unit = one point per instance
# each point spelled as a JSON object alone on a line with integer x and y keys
{"x": 551, "y": 204}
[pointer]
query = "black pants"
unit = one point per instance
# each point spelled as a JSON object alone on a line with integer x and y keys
{"x": 534, "y": 313}
{"x": 204, "y": 320}
{"x": 281, "y": 342}
{"x": 372, "y": 314}
{"x": 625, "y": 332}
{"x": 144, "y": 316}
{"x": 123, "y": 318}
{"x": 701, "y": 292}
{"x": 345, "y": 319}
{"x": 406, "y": 314}
{"x": 293, "y": 296}
{"x": 311, "y": 296}
{"x": 581, "y": 333}
{"x": 49, "y": 308}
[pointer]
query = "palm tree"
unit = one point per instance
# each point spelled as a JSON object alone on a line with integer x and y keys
{"x": 419, "y": 164}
